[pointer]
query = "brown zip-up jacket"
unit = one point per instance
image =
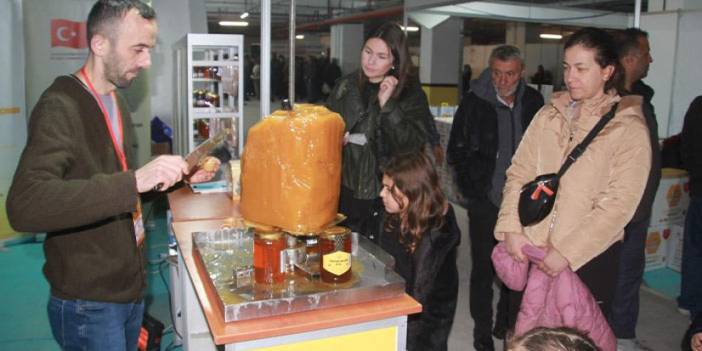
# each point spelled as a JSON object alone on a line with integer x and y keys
{"x": 598, "y": 195}
{"x": 69, "y": 183}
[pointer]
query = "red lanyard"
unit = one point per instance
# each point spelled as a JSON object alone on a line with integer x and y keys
{"x": 118, "y": 149}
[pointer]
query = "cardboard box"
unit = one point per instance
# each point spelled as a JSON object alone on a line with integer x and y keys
{"x": 672, "y": 198}
{"x": 656, "y": 247}
{"x": 675, "y": 248}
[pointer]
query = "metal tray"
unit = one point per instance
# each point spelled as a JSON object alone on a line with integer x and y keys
{"x": 228, "y": 253}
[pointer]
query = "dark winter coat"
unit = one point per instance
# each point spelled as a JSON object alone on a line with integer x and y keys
{"x": 692, "y": 145}
{"x": 473, "y": 144}
{"x": 432, "y": 279}
{"x": 654, "y": 176}
{"x": 399, "y": 127}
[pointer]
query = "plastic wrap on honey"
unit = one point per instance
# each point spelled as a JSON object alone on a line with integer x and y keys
{"x": 291, "y": 169}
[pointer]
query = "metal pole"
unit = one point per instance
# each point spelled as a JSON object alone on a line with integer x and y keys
{"x": 265, "y": 64}
{"x": 291, "y": 70}
{"x": 637, "y": 14}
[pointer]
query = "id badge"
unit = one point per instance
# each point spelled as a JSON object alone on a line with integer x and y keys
{"x": 138, "y": 219}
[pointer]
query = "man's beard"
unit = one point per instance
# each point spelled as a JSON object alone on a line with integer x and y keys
{"x": 509, "y": 92}
{"x": 112, "y": 74}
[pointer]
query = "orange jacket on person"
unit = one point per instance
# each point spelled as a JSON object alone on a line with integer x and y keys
{"x": 598, "y": 195}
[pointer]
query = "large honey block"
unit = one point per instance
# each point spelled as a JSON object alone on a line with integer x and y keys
{"x": 291, "y": 169}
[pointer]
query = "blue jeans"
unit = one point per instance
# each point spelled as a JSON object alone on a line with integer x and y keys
{"x": 691, "y": 287}
{"x": 91, "y": 325}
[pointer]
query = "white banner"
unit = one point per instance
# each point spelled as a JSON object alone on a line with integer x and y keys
{"x": 13, "y": 130}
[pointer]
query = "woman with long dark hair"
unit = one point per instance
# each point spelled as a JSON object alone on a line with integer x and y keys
{"x": 421, "y": 233}
{"x": 386, "y": 113}
{"x": 599, "y": 193}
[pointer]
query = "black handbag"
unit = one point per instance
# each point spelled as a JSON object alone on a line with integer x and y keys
{"x": 537, "y": 197}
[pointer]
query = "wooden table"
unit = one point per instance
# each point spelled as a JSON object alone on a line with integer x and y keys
{"x": 379, "y": 325}
{"x": 188, "y": 206}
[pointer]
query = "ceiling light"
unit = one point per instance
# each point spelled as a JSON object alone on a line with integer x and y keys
{"x": 550, "y": 36}
{"x": 300, "y": 36}
{"x": 244, "y": 15}
{"x": 233, "y": 23}
{"x": 411, "y": 28}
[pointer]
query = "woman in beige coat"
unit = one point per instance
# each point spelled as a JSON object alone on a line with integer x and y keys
{"x": 600, "y": 192}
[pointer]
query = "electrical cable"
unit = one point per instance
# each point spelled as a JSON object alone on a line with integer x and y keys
{"x": 168, "y": 290}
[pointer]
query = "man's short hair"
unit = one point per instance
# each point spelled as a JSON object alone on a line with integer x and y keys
{"x": 628, "y": 41}
{"x": 105, "y": 12}
{"x": 506, "y": 53}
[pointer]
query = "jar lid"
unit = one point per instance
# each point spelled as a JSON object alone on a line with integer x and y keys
{"x": 337, "y": 230}
{"x": 268, "y": 235}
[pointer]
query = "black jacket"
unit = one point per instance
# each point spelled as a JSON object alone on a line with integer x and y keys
{"x": 473, "y": 144}
{"x": 643, "y": 212}
{"x": 400, "y": 126}
{"x": 692, "y": 145}
{"x": 432, "y": 279}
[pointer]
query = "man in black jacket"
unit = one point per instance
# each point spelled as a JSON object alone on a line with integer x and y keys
{"x": 691, "y": 285}
{"x": 635, "y": 58}
{"x": 486, "y": 131}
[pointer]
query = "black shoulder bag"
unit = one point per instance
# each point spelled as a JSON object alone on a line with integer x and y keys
{"x": 537, "y": 197}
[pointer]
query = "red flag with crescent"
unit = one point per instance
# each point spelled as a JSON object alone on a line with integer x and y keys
{"x": 68, "y": 34}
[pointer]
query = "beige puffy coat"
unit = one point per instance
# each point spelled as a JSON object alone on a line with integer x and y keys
{"x": 598, "y": 195}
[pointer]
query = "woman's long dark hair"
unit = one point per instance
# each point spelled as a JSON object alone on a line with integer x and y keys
{"x": 414, "y": 175}
{"x": 395, "y": 39}
{"x": 605, "y": 53}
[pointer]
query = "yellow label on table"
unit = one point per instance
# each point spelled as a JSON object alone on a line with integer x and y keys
{"x": 338, "y": 262}
{"x": 377, "y": 340}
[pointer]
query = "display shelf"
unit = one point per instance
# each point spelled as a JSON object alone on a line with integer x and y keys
{"x": 203, "y": 114}
{"x": 213, "y": 63}
{"x": 206, "y": 80}
{"x": 209, "y": 90}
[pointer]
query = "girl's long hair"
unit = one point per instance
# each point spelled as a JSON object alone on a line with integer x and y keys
{"x": 414, "y": 175}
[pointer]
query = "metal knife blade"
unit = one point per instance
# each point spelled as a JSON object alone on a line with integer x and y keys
{"x": 203, "y": 150}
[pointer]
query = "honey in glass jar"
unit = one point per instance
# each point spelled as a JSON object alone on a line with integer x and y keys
{"x": 267, "y": 249}
{"x": 335, "y": 252}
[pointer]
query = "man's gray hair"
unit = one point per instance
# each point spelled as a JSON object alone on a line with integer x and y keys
{"x": 506, "y": 53}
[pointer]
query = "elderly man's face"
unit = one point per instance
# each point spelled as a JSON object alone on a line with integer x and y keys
{"x": 505, "y": 76}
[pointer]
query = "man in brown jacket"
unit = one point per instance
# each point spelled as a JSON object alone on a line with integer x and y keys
{"x": 76, "y": 180}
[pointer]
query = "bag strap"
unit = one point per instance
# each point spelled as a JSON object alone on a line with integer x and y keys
{"x": 580, "y": 148}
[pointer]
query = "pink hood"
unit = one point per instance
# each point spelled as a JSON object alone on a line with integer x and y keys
{"x": 552, "y": 302}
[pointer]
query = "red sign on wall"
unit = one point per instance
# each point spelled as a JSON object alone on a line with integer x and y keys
{"x": 68, "y": 34}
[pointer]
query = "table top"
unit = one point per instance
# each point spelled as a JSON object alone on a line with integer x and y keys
{"x": 188, "y": 206}
{"x": 224, "y": 333}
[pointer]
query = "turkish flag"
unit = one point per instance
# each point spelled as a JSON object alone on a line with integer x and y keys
{"x": 68, "y": 34}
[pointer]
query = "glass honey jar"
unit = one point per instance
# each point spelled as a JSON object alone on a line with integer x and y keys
{"x": 335, "y": 252}
{"x": 266, "y": 256}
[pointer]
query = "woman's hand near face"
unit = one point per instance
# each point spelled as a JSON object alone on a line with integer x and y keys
{"x": 554, "y": 263}
{"x": 696, "y": 342}
{"x": 387, "y": 87}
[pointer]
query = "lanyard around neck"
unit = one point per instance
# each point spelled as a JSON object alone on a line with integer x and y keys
{"x": 119, "y": 149}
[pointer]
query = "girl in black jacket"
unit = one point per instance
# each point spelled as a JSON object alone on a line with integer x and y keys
{"x": 421, "y": 233}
